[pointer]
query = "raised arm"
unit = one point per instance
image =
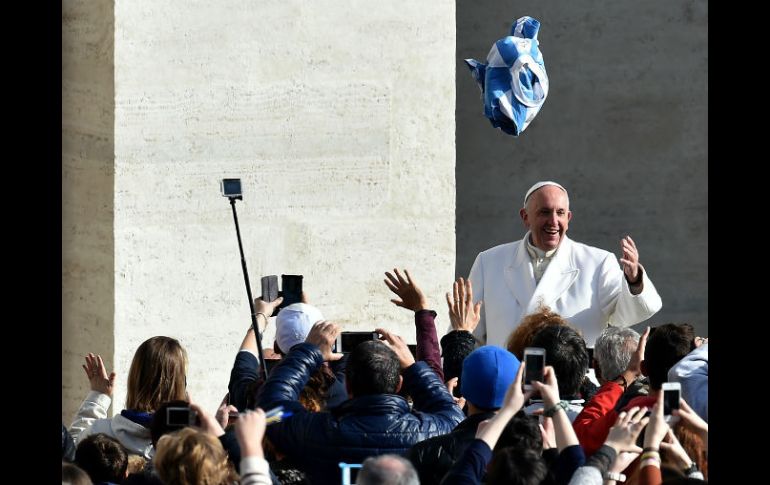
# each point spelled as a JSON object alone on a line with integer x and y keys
{"x": 98, "y": 399}
{"x": 412, "y": 298}
{"x": 464, "y": 316}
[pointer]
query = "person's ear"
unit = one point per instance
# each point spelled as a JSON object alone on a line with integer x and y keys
{"x": 400, "y": 383}
{"x": 643, "y": 367}
{"x": 569, "y": 216}
{"x": 524, "y": 218}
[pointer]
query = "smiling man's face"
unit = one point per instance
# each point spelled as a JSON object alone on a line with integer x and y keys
{"x": 547, "y": 216}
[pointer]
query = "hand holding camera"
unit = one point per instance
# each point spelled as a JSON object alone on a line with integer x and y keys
{"x": 399, "y": 346}
{"x": 323, "y": 335}
{"x": 548, "y": 387}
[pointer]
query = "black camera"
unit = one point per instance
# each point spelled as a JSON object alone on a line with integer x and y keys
{"x": 180, "y": 416}
{"x": 231, "y": 188}
{"x": 347, "y": 341}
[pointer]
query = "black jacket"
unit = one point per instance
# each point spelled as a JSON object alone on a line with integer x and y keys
{"x": 360, "y": 427}
{"x": 434, "y": 457}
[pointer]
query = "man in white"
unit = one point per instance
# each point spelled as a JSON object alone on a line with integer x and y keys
{"x": 583, "y": 284}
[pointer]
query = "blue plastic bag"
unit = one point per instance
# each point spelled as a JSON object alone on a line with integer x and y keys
{"x": 513, "y": 82}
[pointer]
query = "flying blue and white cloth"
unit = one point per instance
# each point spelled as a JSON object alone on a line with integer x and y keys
{"x": 513, "y": 83}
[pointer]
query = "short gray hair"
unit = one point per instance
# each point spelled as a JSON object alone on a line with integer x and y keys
{"x": 387, "y": 470}
{"x": 613, "y": 350}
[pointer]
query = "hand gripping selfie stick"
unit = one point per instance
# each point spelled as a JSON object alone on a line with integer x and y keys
{"x": 231, "y": 188}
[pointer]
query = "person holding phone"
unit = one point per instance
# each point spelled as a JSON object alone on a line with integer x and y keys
{"x": 584, "y": 284}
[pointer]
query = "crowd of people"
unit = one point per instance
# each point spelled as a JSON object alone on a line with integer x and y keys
{"x": 454, "y": 411}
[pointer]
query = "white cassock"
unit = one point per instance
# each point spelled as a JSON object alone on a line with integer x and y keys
{"x": 583, "y": 284}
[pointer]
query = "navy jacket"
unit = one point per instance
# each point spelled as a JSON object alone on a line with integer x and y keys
{"x": 360, "y": 427}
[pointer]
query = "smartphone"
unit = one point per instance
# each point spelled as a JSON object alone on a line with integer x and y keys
{"x": 672, "y": 392}
{"x": 347, "y": 341}
{"x": 590, "y": 357}
{"x": 534, "y": 360}
{"x": 270, "y": 290}
{"x": 180, "y": 416}
{"x": 291, "y": 290}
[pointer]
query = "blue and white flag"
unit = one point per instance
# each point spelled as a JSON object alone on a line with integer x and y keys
{"x": 513, "y": 83}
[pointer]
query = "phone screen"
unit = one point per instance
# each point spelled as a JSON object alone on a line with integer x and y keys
{"x": 590, "y": 357}
{"x": 535, "y": 363}
{"x": 350, "y": 340}
{"x": 291, "y": 289}
{"x": 670, "y": 401}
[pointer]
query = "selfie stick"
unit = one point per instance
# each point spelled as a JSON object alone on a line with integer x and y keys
{"x": 248, "y": 291}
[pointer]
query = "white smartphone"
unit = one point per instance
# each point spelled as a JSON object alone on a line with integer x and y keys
{"x": 672, "y": 392}
{"x": 534, "y": 360}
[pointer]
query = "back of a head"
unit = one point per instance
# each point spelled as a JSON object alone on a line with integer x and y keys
{"x": 72, "y": 474}
{"x": 613, "y": 350}
{"x": 565, "y": 351}
{"x": 102, "y": 457}
{"x": 190, "y": 457}
{"x": 522, "y": 335}
{"x": 293, "y": 323}
{"x": 372, "y": 368}
{"x": 158, "y": 374}
{"x": 522, "y": 433}
{"x": 666, "y": 345}
{"x": 387, "y": 470}
{"x": 511, "y": 466}
{"x": 487, "y": 374}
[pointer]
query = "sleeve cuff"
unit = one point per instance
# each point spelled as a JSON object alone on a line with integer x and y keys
{"x": 100, "y": 399}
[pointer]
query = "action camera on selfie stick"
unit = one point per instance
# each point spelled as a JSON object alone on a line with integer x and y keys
{"x": 231, "y": 188}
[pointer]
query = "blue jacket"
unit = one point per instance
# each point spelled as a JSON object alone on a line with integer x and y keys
{"x": 358, "y": 428}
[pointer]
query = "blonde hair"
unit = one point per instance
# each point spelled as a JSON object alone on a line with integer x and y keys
{"x": 522, "y": 335}
{"x": 158, "y": 374}
{"x": 192, "y": 457}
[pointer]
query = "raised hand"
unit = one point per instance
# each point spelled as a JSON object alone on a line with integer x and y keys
{"x": 399, "y": 346}
{"x": 206, "y": 421}
{"x": 549, "y": 389}
{"x": 323, "y": 335}
{"x": 223, "y": 412}
{"x": 691, "y": 419}
{"x": 97, "y": 375}
{"x": 249, "y": 430}
{"x": 406, "y": 288}
{"x": 657, "y": 426}
{"x": 266, "y": 308}
{"x": 463, "y": 314}
{"x": 634, "y": 368}
{"x": 630, "y": 259}
{"x": 628, "y": 426}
